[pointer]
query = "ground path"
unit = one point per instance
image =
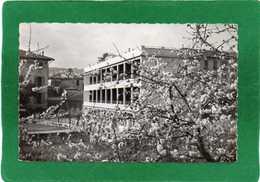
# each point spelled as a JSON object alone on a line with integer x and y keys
{"x": 45, "y": 129}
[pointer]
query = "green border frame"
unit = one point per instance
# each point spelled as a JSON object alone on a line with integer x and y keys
{"x": 245, "y": 14}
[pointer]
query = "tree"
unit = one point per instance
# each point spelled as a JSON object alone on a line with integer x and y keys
{"x": 104, "y": 56}
{"x": 188, "y": 114}
{"x": 69, "y": 73}
{"x": 193, "y": 113}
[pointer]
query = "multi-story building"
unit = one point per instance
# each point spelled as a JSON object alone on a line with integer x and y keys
{"x": 36, "y": 77}
{"x": 114, "y": 82}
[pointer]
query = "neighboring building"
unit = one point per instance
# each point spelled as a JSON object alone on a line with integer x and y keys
{"x": 37, "y": 78}
{"x": 61, "y": 79}
{"x": 66, "y": 83}
{"x": 113, "y": 82}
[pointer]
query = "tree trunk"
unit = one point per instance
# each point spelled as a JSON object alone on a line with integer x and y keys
{"x": 202, "y": 148}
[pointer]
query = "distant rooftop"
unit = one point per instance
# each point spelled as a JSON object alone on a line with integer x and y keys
{"x": 31, "y": 55}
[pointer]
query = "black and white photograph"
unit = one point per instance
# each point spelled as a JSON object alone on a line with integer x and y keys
{"x": 114, "y": 92}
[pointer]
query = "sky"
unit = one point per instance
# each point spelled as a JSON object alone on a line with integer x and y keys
{"x": 79, "y": 45}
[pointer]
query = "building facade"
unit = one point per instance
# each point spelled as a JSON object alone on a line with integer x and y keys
{"x": 74, "y": 89}
{"x": 36, "y": 100}
{"x": 114, "y": 82}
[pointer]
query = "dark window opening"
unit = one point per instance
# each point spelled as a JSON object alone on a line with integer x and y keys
{"x": 121, "y": 72}
{"x": 103, "y": 96}
{"x": 39, "y": 98}
{"x": 128, "y": 96}
{"x": 108, "y": 96}
{"x": 98, "y": 77}
{"x": 114, "y": 96}
{"x": 94, "y": 80}
{"x": 206, "y": 64}
{"x": 215, "y": 64}
{"x": 98, "y": 96}
{"x": 94, "y": 95}
{"x": 120, "y": 95}
{"x": 39, "y": 81}
{"x": 108, "y": 75}
{"x": 90, "y": 80}
{"x": 77, "y": 82}
{"x": 40, "y": 63}
{"x": 114, "y": 73}
{"x": 128, "y": 70}
{"x": 103, "y": 75}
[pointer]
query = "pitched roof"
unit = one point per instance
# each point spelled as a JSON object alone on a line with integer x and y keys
{"x": 31, "y": 55}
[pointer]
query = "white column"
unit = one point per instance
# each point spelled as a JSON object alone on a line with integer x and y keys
{"x": 100, "y": 95}
{"x": 132, "y": 69}
{"x": 105, "y": 73}
{"x": 124, "y": 70}
{"x": 111, "y": 75}
{"x": 117, "y": 73}
{"x": 105, "y": 95}
{"x": 132, "y": 90}
{"x": 101, "y": 76}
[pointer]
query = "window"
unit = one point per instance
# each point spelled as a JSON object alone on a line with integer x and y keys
{"x": 77, "y": 82}
{"x": 103, "y": 96}
{"x": 108, "y": 96}
{"x": 206, "y": 64}
{"x": 128, "y": 70}
{"x": 114, "y": 96}
{"x": 39, "y": 98}
{"x": 120, "y": 95}
{"x": 98, "y": 78}
{"x": 121, "y": 72}
{"x": 108, "y": 75}
{"x": 94, "y": 95}
{"x": 215, "y": 64}
{"x": 90, "y": 80}
{"x": 103, "y": 75}
{"x": 94, "y": 80}
{"x": 127, "y": 95}
{"x": 114, "y": 73}
{"x": 40, "y": 63}
{"x": 98, "y": 96}
{"x": 38, "y": 81}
